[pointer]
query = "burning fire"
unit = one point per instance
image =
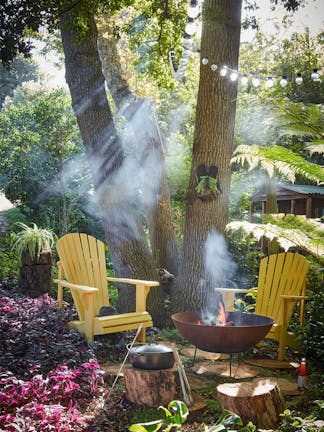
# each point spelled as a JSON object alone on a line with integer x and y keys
{"x": 222, "y": 315}
{"x": 221, "y": 319}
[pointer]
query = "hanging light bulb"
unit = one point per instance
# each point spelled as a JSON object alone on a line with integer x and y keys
{"x": 193, "y": 11}
{"x": 315, "y": 75}
{"x": 187, "y": 42}
{"x": 269, "y": 82}
{"x": 223, "y": 71}
{"x": 213, "y": 67}
{"x": 244, "y": 80}
{"x": 299, "y": 79}
{"x": 204, "y": 61}
{"x": 256, "y": 81}
{"x": 234, "y": 76}
{"x": 191, "y": 27}
{"x": 186, "y": 53}
{"x": 183, "y": 62}
{"x": 283, "y": 81}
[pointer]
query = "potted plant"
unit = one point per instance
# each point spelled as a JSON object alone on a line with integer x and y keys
{"x": 33, "y": 246}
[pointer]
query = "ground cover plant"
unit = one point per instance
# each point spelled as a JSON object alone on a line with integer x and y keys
{"x": 50, "y": 379}
{"x": 47, "y": 373}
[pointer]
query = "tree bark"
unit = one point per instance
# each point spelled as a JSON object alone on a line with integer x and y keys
{"x": 35, "y": 275}
{"x": 146, "y": 138}
{"x": 260, "y": 402}
{"x": 270, "y": 247}
{"x": 115, "y": 200}
{"x": 152, "y": 387}
{"x": 213, "y": 146}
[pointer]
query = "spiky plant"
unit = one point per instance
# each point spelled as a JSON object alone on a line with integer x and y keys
{"x": 33, "y": 240}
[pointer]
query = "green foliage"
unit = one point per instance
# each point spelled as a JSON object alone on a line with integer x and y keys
{"x": 228, "y": 418}
{"x": 21, "y": 70}
{"x": 293, "y": 423}
{"x": 43, "y": 166}
{"x": 276, "y": 159}
{"x": 285, "y": 233}
{"x": 33, "y": 241}
{"x": 268, "y": 56}
{"x": 9, "y": 263}
{"x": 206, "y": 183}
{"x": 313, "y": 326}
{"x": 174, "y": 416}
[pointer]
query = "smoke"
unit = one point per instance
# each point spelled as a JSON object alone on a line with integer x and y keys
{"x": 219, "y": 265}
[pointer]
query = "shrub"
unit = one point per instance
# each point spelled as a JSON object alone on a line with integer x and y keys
{"x": 46, "y": 371}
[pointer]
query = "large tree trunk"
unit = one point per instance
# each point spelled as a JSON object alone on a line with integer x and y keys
{"x": 213, "y": 146}
{"x": 116, "y": 200}
{"x": 146, "y": 139}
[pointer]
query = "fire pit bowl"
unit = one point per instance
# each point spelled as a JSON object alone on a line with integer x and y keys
{"x": 247, "y": 331}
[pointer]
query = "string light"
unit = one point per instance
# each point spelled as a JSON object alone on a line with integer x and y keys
{"x": 315, "y": 75}
{"x": 234, "y": 76}
{"x": 256, "y": 81}
{"x": 223, "y": 71}
{"x": 244, "y": 80}
{"x": 193, "y": 12}
{"x": 191, "y": 27}
{"x": 299, "y": 79}
{"x": 283, "y": 82}
{"x": 269, "y": 82}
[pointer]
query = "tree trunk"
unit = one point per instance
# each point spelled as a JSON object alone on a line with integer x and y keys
{"x": 146, "y": 138}
{"x": 213, "y": 146}
{"x": 271, "y": 247}
{"x": 115, "y": 199}
{"x": 260, "y": 402}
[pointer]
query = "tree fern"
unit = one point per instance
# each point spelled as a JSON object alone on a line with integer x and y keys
{"x": 276, "y": 159}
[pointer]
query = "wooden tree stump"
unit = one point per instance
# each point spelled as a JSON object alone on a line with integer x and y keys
{"x": 260, "y": 402}
{"x": 152, "y": 387}
{"x": 35, "y": 276}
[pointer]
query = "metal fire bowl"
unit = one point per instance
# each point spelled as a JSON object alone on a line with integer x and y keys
{"x": 249, "y": 329}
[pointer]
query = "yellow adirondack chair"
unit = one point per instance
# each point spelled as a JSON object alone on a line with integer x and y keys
{"x": 281, "y": 283}
{"x": 82, "y": 269}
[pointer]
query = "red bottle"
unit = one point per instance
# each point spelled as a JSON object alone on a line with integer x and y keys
{"x": 302, "y": 373}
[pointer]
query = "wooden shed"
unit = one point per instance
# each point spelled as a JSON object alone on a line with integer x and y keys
{"x": 295, "y": 199}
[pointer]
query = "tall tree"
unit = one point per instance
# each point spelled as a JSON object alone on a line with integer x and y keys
{"x": 117, "y": 202}
{"x": 208, "y": 191}
{"x": 146, "y": 140}
{"x": 212, "y": 149}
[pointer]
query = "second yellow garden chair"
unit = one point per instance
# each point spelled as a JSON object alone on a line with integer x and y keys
{"x": 82, "y": 269}
{"x": 281, "y": 284}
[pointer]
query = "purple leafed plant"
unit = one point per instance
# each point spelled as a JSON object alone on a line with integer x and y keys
{"x": 47, "y": 372}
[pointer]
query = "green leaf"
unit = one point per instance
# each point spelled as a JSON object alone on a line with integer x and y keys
{"x": 180, "y": 410}
{"x": 152, "y": 426}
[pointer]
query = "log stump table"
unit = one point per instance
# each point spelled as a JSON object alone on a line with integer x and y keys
{"x": 260, "y": 402}
{"x": 151, "y": 388}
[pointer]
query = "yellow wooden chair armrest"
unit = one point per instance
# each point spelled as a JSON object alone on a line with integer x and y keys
{"x": 83, "y": 288}
{"x": 133, "y": 281}
{"x": 63, "y": 283}
{"x": 142, "y": 289}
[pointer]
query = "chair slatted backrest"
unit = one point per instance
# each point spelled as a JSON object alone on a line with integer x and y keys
{"x": 281, "y": 274}
{"x": 84, "y": 263}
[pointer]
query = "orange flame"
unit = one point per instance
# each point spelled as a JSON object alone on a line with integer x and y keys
{"x": 222, "y": 315}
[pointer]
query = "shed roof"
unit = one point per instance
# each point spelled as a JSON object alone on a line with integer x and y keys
{"x": 288, "y": 191}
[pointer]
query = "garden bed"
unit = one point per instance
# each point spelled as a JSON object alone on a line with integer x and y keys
{"x": 52, "y": 380}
